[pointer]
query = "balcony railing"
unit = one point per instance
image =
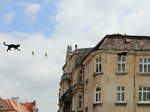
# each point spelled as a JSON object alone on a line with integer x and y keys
{"x": 65, "y": 76}
{"x": 67, "y": 95}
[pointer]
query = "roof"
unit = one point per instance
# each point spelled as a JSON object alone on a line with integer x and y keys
{"x": 81, "y": 53}
{"x": 16, "y": 106}
{"x": 8, "y": 102}
{"x": 29, "y": 106}
{"x": 125, "y": 42}
{"x": 122, "y": 42}
{"x": 12, "y": 105}
{"x": 4, "y": 106}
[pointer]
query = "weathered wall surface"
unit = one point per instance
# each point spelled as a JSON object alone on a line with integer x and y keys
{"x": 109, "y": 80}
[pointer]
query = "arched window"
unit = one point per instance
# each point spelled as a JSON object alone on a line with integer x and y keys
{"x": 98, "y": 95}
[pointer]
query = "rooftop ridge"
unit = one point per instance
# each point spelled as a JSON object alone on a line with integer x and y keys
{"x": 128, "y": 36}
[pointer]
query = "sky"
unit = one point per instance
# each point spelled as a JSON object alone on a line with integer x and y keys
{"x": 49, "y": 26}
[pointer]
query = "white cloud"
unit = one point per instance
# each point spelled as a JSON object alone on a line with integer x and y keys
{"x": 31, "y": 77}
{"x": 93, "y": 19}
{"x": 31, "y": 10}
{"x": 9, "y": 17}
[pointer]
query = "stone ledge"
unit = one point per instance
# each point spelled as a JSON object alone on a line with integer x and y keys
{"x": 98, "y": 73}
{"x": 80, "y": 110}
{"x": 95, "y": 104}
{"x": 143, "y": 103}
{"x": 121, "y": 73}
{"x": 143, "y": 74}
{"x": 121, "y": 103}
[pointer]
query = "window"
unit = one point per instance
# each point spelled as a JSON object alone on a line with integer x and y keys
{"x": 98, "y": 65}
{"x": 80, "y": 102}
{"x": 120, "y": 94}
{"x": 144, "y": 94}
{"x": 81, "y": 76}
{"x": 144, "y": 65}
{"x": 121, "y": 64}
{"x": 97, "y": 95}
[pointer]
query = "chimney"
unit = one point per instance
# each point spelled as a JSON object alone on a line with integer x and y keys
{"x": 15, "y": 99}
{"x": 34, "y": 102}
{"x": 69, "y": 49}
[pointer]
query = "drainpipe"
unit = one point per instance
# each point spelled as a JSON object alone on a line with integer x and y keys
{"x": 134, "y": 87}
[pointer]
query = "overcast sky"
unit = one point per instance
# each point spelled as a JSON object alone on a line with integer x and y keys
{"x": 48, "y": 26}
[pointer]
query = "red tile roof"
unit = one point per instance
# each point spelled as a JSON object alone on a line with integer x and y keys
{"x": 29, "y": 106}
{"x": 9, "y": 103}
{"x": 19, "y": 107}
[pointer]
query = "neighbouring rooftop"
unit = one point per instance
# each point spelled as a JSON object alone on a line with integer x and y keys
{"x": 13, "y": 105}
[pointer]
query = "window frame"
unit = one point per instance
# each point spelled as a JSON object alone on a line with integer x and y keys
{"x": 98, "y": 65}
{"x": 121, "y": 62}
{"x": 98, "y": 95}
{"x": 81, "y": 76}
{"x": 121, "y": 94}
{"x": 144, "y": 65}
{"x": 144, "y": 91}
{"x": 80, "y": 102}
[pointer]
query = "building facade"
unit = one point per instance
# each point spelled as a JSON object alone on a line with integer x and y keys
{"x": 115, "y": 77}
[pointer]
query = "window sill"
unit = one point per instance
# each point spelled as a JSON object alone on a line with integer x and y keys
{"x": 121, "y": 73}
{"x": 99, "y": 103}
{"x": 143, "y": 74}
{"x": 80, "y": 110}
{"x": 143, "y": 103}
{"x": 121, "y": 103}
{"x": 80, "y": 83}
{"x": 98, "y": 73}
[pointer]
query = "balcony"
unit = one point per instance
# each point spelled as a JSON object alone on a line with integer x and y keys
{"x": 67, "y": 95}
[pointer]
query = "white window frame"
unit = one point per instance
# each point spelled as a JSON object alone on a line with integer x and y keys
{"x": 80, "y": 102}
{"x": 144, "y": 94}
{"x": 144, "y": 65}
{"x": 121, "y": 64}
{"x": 98, "y": 65}
{"x": 120, "y": 94}
{"x": 98, "y": 96}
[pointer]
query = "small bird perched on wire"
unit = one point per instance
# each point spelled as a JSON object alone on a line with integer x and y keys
{"x": 10, "y": 46}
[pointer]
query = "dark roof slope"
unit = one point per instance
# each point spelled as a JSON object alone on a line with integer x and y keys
{"x": 125, "y": 42}
{"x": 80, "y": 54}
